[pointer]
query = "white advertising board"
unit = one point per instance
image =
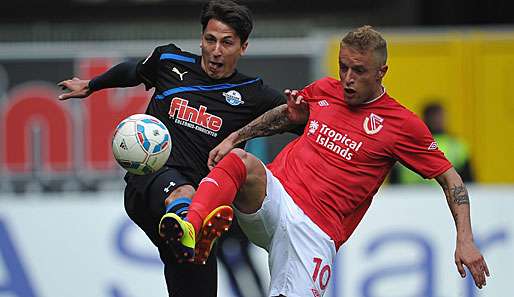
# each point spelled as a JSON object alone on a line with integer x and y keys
{"x": 72, "y": 245}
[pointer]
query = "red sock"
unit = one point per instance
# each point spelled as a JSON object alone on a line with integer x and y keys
{"x": 217, "y": 189}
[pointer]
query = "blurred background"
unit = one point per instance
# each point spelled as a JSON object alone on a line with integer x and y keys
{"x": 63, "y": 230}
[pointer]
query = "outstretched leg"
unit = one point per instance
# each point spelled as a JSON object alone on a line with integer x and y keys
{"x": 239, "y": 171}
{"x": 170, "y": 230}
{"x": 210, "y": 209}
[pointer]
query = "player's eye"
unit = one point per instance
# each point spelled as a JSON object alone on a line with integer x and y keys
{"x": 359, "y": 70}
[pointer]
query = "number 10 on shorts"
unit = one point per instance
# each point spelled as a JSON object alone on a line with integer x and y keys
{"x": 321, "y": 274}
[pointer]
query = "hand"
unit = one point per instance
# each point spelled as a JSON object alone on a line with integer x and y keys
{"x": 78, "y": 88}
{"x": 297, "y": 107}
{"x": 217, "y": 153}
{"x": 468, "y": 254}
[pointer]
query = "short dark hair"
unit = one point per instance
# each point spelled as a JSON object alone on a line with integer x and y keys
{"x": 237, "y": 16}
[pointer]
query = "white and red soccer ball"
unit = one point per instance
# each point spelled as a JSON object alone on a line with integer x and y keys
{"x": 141, "y": 144}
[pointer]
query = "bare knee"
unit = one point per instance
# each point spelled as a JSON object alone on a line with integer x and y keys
{"x": 251, "y": 194}
{"x": 240, "y": 153}
{"x": 182, "y": 191}
{"x": 248, "y": 159}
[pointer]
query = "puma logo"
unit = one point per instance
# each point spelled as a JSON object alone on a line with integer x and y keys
{"x": 181, "y": 75}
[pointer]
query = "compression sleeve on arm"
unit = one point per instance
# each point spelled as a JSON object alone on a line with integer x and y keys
{"x": 121, "y": 75}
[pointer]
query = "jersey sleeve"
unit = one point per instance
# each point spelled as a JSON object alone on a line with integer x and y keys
{"x": 415, "y": 148}
{"x": 148, "y": 69}
{"x": 317, "y": 91}
{"x": 271, "y": 99}
{"x": 308, "y": 91}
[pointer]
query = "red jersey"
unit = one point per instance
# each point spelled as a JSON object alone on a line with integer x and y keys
{"x": 335, "y": 168}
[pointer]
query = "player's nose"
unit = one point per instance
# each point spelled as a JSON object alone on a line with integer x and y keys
{"x": 217, "y": 51}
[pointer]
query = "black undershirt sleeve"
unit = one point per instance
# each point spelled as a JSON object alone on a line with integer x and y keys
{"x": 120, "y": 76}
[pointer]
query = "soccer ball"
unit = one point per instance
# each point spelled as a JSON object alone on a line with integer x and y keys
{"x": 141, "y": 144}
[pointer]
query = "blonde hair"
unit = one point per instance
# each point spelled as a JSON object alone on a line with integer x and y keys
{"x": 364, "y": 39}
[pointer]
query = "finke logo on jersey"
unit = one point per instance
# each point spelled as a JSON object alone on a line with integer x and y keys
{"x": 373, "y": 124}
{"x": 181, "y": 75}
{"x": 323, "y": 103}
{"x": 432, "y": 146}
{"x": 233, "y": 97}
{"x": 198, "y": 119}
{"x": 340, "y": 143}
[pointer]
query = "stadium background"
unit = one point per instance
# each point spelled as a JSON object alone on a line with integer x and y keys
{"x": 62, "y": 226}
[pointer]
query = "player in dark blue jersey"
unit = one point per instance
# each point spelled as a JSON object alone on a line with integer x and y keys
{"x": 201, "y": 100}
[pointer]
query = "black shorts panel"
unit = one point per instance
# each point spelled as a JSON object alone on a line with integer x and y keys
{"x": 166, "y": 182}
{"x": 145, "y": 195}
{"x": 158, "y": 180}
{"x": 144, "y": 203}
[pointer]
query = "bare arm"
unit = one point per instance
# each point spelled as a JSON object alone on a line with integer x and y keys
{"x": 277, "y": 120}
{"x": 466, "y": 252}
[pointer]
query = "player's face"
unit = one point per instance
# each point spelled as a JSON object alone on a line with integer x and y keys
{"x": 360, "y": 74}
{"x": 221, "y": 49}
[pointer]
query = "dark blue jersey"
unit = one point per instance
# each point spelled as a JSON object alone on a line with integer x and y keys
{"x": 199, "y": 111}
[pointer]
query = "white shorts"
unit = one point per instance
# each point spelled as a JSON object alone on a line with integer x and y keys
{"x": 301, "y": 255}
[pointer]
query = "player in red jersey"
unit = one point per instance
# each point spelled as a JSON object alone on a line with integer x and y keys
{"x": 309, "y": 200}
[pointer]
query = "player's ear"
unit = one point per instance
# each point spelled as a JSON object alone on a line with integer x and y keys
{"x": 244, "y": 46}
{"x": 382, "y": 72}
{"x": 202, "y": 36}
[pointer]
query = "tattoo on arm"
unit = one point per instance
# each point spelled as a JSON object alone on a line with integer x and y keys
{"x": 459, "y": 195}
{"x": 272, "y": 122}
